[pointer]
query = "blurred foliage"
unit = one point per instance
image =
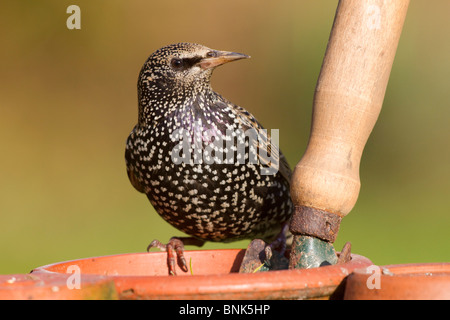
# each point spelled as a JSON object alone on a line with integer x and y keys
{"x": 68, "y": 102}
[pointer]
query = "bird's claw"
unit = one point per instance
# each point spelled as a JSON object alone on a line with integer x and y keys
{"x": 174, "y": 248}
{"x": 279, "y": 243}
{"x": 261, "y": 256}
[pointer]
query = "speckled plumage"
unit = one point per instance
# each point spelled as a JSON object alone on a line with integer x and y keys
{"x": 214, "y": 201}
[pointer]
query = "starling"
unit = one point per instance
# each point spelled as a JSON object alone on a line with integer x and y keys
{"x": 185, "y": 154}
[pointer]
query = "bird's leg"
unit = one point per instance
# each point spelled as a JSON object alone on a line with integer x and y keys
{"x": 261, "y": 256}
{"x": 175, "y": 247}
{"x": 278, "y": 243}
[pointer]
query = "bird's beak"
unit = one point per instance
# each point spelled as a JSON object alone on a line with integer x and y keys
{"x": 220, "y": 58}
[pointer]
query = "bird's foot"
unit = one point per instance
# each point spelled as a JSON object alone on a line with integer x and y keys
{"x": 256, "y": 258}
{"x": 279, "y": 243}
{"x": 261, "y": 256}
{"x": 175, "y": 248}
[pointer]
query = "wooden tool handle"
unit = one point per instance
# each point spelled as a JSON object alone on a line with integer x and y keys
{"x": 347, "y": 102}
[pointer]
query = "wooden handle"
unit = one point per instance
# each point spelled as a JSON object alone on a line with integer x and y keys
{"x": 347, "y": 102}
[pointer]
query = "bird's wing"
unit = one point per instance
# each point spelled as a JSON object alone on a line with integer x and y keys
{"x": 134, "y": 181}
{"x": 130, "y": 169}
{"x": 280, "y": 163}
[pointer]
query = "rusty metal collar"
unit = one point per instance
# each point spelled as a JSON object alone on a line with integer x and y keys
{"x": 314, "y": 222}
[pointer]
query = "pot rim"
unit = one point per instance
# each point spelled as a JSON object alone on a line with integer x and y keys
{"x": 279, "y": 284}
{"x": 357, "y": 262}
{"x": 413, "y": 281}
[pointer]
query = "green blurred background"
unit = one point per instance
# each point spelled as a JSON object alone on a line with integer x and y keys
{"x": 68, "y": 102}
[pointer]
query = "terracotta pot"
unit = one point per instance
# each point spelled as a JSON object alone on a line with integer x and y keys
{"x": 405, "y": 281}
{"x": 54, "y": 286}
{"x": 213, "y": 275}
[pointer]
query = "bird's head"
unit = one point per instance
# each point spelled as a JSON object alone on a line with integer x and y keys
{"x": 181, "y": 68}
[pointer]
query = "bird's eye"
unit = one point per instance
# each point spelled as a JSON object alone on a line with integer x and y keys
{"x": 176, "y": 63}
{"x": 211, "y": 54}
